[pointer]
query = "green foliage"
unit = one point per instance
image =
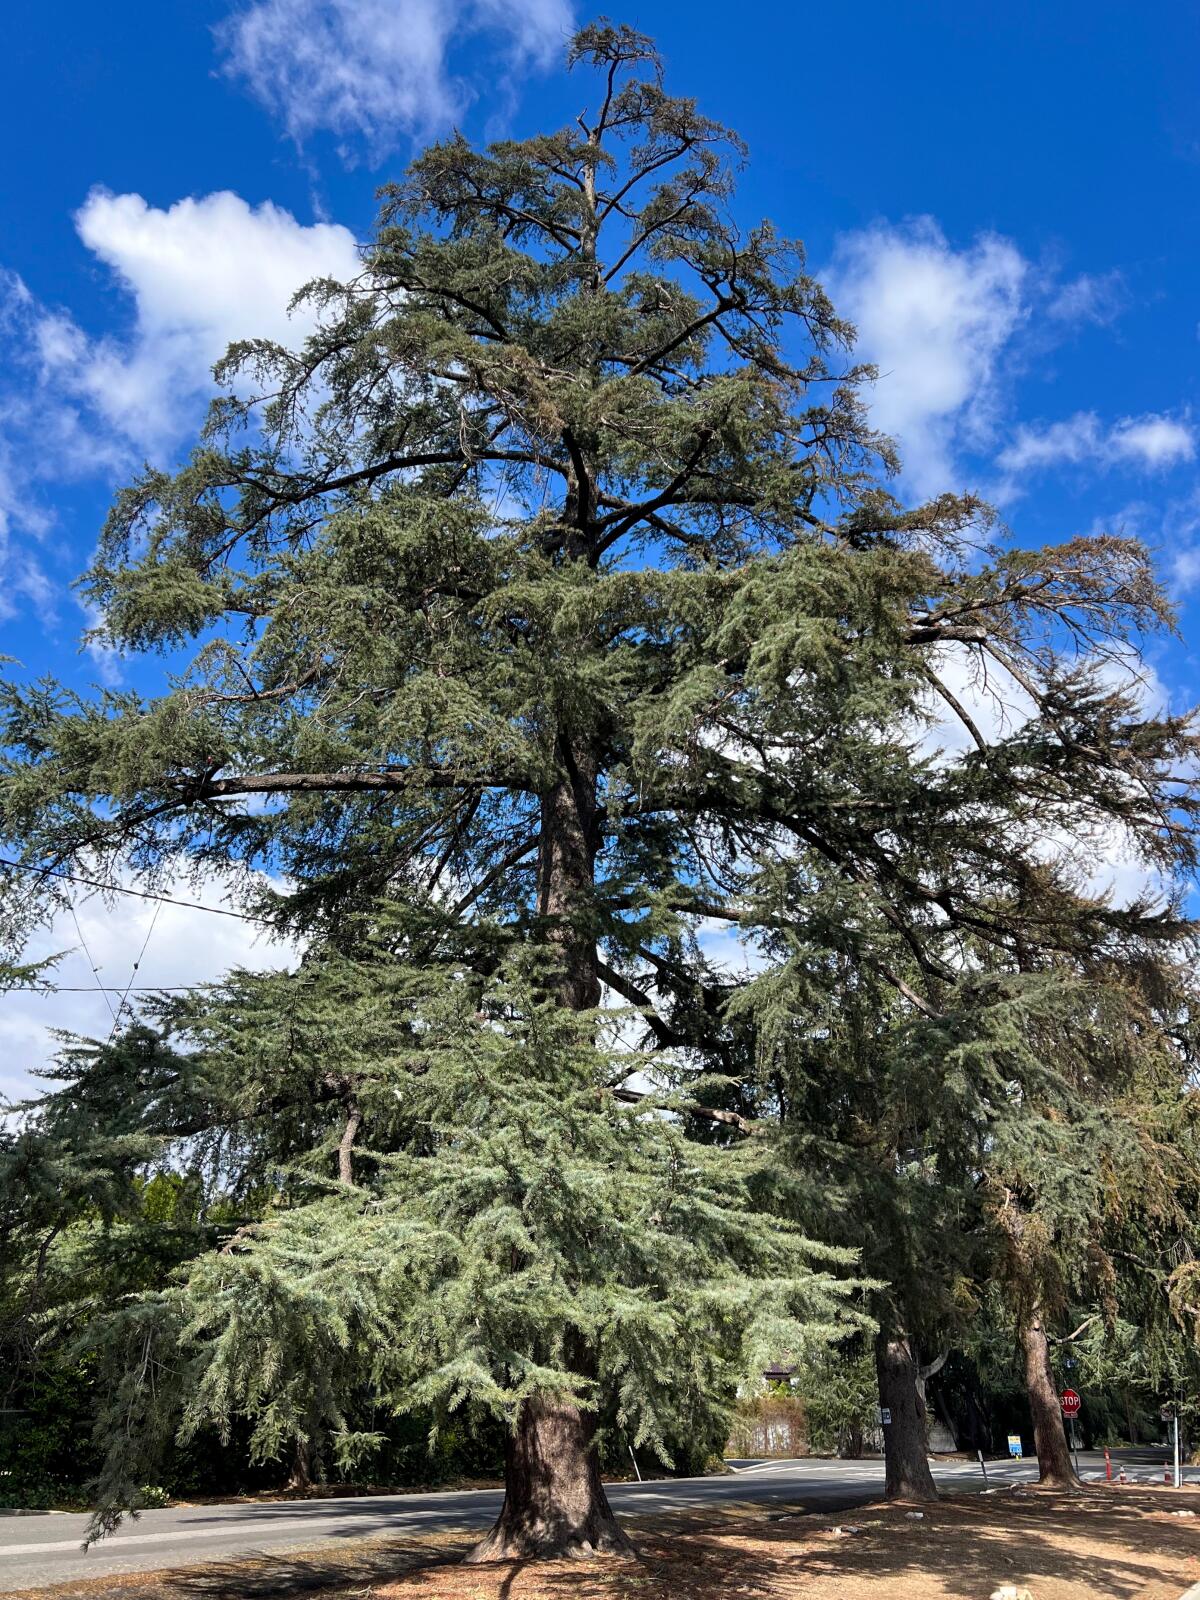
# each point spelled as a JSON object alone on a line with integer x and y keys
{"x": 535, "y": 1234}
{"x": 541, "y": 613}
{"x": 840, "y": 1396}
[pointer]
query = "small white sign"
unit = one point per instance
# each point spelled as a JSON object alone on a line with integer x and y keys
{"x": 883, "y": 1415}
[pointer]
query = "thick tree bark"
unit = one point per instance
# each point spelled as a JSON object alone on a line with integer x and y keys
{"x": 1049, "y": 1434}
{"x": 906, "y": 1456}
{"x": 554, "y": 1501}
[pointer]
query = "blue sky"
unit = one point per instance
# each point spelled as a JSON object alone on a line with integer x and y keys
{"x": 1005, "y": 200}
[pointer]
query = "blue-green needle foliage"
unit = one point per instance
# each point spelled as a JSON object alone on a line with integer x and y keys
{"x": 549, "y": 596}
{"x": 517, "y": 1230}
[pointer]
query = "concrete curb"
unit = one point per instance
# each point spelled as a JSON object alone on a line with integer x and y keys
{"x": 1191, "y": 1594}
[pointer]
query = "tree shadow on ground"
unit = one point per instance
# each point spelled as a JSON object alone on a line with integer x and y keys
{"x": 331, "y": 1571}
{"x": 1103, "y": 1546}
{"x": 1116, "y": 1543}
{"x": 1106, "y": 1544}
{"x": 271, "y": 1577}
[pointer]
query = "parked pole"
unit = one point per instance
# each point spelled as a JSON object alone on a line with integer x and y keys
{"x": 1107, "y": 1465}
{"x": 1074, "y": 1447}
{"x": 636, "y": 1468}
{"x": 982, "y": 1467}
{"x": 1178, "y": 1463}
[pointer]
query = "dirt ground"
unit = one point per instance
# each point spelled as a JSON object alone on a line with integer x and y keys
{"x": 1123, "y": 1544}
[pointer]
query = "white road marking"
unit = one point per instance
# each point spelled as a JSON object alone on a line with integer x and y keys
{"x": 117, "y": 1542}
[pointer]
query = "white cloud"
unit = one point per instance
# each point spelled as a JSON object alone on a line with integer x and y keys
{"x": 993, "y": 699}
{"x": 200, "y": 274}
{"x": 196, "y": 276}
{"x": 184, "y": 947}
{"x": 1092, "y": 297}
{"x": 378, "y": 68}
{"x": 1150, "y": 442}
{"x": 936, "y": 321}
{"x": 950, "y": 328}
{"x": 1153, "y": 441}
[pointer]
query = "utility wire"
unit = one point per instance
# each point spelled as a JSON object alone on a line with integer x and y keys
{"x": 129, "y": 986}
{"x": 137, "y": 894}
{"x": 91, "y": 961}
{"x": 100, "y": 988}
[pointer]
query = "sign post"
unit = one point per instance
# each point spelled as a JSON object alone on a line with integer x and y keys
{"x": 1170, "y": 1414}
{"x": 1070, "y": 1402}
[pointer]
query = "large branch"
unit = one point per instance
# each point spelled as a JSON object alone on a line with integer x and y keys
{"x": 628, "y": 990}
{"x": 400, "y": 778}
{"x": 402, "y": 463}
{"x": 619, "y": 523}
{"x": 731, "y": 1119}
{"x": 923, "y": 633}
{"x": 505, "y": 864}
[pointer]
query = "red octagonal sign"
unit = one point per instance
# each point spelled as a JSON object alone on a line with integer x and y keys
{"x": 1070, "y": 1403}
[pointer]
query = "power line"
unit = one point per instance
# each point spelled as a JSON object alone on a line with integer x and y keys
{"x": 99, "y": 988}
{"x": 124, "y": 1000}
{"x": 137, "y": 894}
{"x": 91, "y": 959}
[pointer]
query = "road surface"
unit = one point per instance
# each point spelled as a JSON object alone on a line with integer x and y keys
{"x": 45, "y": 1549}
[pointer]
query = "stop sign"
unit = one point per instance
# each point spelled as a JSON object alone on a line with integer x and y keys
{"x": 1070, "y": 1403}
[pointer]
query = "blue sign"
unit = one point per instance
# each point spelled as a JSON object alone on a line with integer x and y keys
{"x": 1014, "y": 1445}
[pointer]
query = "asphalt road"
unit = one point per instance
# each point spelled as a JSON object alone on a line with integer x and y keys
{"x": 45, "y": 1549}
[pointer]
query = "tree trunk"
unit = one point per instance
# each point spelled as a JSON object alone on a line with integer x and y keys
{"x": 301, "y": 1476}
{"x": 905, "y": 1454}
{"x": 566, "y": 875}
{"x": 1049, "y": 1435}
{"x": 554, "y": 1501}
{"x": 346, "y": 1143}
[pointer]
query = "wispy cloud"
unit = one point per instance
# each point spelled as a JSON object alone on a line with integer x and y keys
{"x": 1149, "y": 443}
{"x": 372, "y": 70}
{"x": 1104, "y": 858}
{"x": 1093, "y": 297}
{"x": 951, "y": 329}
{"x": 199, "y": 274}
